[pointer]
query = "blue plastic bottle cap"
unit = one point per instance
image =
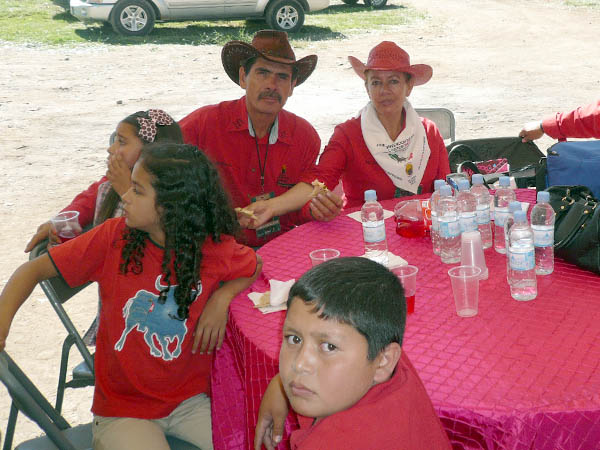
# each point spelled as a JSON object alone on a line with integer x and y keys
{"x": 463, "y": 185}
{"x": 446, "y": 191}
{"x": 520, "y": 216}
{"x": 504, "y": 181}
{"x": 514, "y": 206}
{"x": 370, "y": 195}
{"x": 477, "y": 178}
{"x": 543, "y": 197}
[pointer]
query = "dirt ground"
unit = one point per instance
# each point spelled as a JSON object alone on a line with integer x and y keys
{"x": 497, "y": 64}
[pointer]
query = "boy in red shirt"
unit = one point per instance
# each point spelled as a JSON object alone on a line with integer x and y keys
{"x": 342, "y": 369}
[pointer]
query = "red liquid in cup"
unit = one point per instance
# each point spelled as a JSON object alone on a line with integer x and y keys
{"x": 66, "y": 235}
{"x": 410, "y": 228}
{"x": 410, "y": 304}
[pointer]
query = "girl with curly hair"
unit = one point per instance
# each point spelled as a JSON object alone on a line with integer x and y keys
{"x": 159, "y": 268}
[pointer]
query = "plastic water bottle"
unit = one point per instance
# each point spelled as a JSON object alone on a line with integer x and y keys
{"x": 482, "y": 217}
{"x": 542, "y": 224}
{"x": 504, "y": 195}
{"x": 523, "y": 284}
{"x": 373, "y": 224}
{"x": 510, "y": 220}
{"x": 467, "y": 207}
{"x": 449, "y": 226}
{"x": 435, "y": 227}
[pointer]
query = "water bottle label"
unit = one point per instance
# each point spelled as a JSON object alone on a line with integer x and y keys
{"x": 467, "y": 222}
{"x": 374, "y": 233}
{"x": 500, "y": 216}
{"x": 543, "y": 235}
{"x": 449, "y": 229}
{"x": 522, "y": 259}
{"x": 482, "y": 215}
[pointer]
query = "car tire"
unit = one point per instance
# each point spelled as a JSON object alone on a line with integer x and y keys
{"x": 377, "y": 4}
{"x": 285, "y": 15}
{"x": 350, "y": 2}
{"x": 132, "y": 18}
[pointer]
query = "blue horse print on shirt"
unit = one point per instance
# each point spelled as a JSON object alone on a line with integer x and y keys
{"x": 159, "y": 322}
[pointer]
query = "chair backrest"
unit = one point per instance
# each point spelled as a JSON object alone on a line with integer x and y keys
{"x": 58, "y": 291}
{"x": 443, "y": 118}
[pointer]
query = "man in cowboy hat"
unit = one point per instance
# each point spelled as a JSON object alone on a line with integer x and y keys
{"x": 260, "y": 149}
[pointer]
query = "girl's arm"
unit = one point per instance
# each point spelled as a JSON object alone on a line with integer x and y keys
{"x": 210, "y": 330}
{"x": 18, "y": 289}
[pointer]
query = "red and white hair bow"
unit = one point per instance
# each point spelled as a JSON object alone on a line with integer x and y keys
{"x": 148, "y": 126}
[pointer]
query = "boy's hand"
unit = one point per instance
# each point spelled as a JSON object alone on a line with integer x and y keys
{"x": 262, "y": 211}
{"x": 271, "y": 416}
{"x": 119, "y": 174}
{"x": 210, "y": 330}
{"x": 531, "y": 131}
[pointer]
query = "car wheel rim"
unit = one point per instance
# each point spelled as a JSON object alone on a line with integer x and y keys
{"x": 287, "y": 17}
{"x": 134, "y": 18}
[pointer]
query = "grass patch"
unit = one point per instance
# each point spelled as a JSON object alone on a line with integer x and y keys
{"x": 583, "y": 3}
{"x": 49, "y": 22}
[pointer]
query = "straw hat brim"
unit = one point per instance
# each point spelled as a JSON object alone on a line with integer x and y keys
{"x": 234, "y": 53}
{"x": 421, "y": 73}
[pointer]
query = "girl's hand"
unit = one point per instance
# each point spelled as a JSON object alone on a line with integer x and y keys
{"x": 39, "y": 236}
{"x": 271, "y": 416}
{"x": 210, "y": 330}
{"x": 119, "y": 174}
{"x": 3, "y": 334}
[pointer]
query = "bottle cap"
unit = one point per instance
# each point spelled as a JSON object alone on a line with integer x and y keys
{"x": 477, "y": 178}
{"x": 520, "y": 216}
{"x": 370, "y": 195}
{"x": 437, "y": 184}
{"x": 446, "y": 191}
{"x": 543, "y": 197}
{"x": 514, "y": 206}
{"x": 504, "y": 181}
{"x": 463, "y": 185}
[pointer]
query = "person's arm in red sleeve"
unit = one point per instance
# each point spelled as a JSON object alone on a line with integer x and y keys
{"x": 190, "y": 128}
{"x": 84, "y": 203}
{"x": 583, "y": 122}
{"x": 438, "y": 148}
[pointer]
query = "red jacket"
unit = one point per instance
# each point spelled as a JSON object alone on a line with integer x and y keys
{"x": 584, "y": 122}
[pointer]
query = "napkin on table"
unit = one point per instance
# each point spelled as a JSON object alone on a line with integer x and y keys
{"x": 393, "y": 260}
{"x": 356, "y": 215}
{"x": 277, "y": 296}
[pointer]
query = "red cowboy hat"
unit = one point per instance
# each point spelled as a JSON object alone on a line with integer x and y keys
{"x": 271, "y": 45}
{"x": 388, "y": 56}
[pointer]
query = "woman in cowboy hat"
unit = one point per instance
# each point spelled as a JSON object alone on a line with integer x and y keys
{"x": 387, "y": 146}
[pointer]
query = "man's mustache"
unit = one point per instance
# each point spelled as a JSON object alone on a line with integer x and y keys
{"x": 270, "y": 94}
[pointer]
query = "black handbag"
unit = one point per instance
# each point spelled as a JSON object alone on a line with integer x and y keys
{"x": 577, "y": 226}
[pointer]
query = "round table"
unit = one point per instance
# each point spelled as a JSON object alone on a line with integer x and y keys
{"x": 518, "y": 375}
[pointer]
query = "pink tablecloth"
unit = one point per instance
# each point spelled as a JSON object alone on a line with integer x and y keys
{"x": 519, "y": 375}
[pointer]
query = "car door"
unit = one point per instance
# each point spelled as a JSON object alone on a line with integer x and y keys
{"x": 195, "y": 9}
{"x": 244, "y": 8}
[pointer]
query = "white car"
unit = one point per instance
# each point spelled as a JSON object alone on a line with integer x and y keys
{"x": 137, "y": 17}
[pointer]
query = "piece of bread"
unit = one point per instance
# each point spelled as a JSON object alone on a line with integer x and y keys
{"x": 246, "y": 212}
{"x": 318, "y": 188}
{"x": 264, "y": 300}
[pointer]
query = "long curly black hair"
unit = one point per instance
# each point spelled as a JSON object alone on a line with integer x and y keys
{"x": 192, "y": 206}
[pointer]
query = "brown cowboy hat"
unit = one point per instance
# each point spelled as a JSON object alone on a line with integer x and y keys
{"x": 271, "y": 45}
{"x": 388, "y": 56}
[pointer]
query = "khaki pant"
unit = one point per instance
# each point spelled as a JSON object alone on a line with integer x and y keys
{"x": 190, "y": 421}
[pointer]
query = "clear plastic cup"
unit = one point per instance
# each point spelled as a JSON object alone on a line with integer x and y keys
{"x": 66, "y": 225}
{"x": 471, "y": 252}
{"x": 465, "y": 287}
{"x": 323, "y": 254}
{"x": 408, "y": 278}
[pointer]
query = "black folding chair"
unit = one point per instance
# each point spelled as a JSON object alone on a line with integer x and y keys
{"x": 59, "y": 434}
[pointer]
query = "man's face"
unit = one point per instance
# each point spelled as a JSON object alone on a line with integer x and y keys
{"x": 268, "y": 86}
{"x": 322, "y": 363}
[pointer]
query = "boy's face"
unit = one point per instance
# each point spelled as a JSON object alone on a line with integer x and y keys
{"x": 323, "y": 363}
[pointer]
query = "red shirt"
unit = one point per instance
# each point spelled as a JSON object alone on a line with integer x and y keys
{"x": 144, "y": 364}
{"x": 584, "y": 122}
{"x": 347, "y": 156}
{"x": 221, "y": 131}
{"x": 85, "y": 203}
{"x": 395, "y": 415}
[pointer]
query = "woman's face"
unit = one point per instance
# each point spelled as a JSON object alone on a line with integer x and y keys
{"x": 127, "y": 144}
{"x": 388, "y": 90}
